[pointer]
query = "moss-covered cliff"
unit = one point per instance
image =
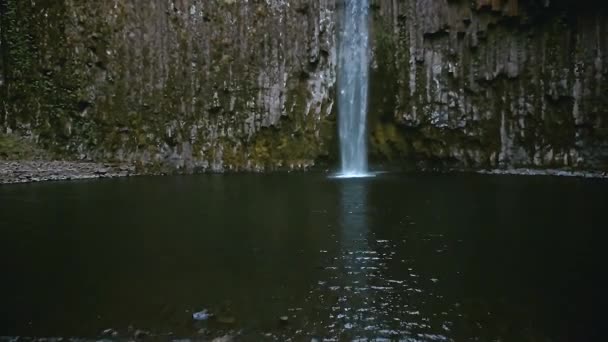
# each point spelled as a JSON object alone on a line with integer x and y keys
{"x": 491, "y": 83}
{"x": 249, "y": 85}
{"x": 211, "y": 85}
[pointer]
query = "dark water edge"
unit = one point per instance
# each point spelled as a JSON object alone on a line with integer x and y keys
{"x": 424, "y": 257}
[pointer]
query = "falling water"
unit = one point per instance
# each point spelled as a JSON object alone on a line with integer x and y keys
{"x": 352, "y": 84}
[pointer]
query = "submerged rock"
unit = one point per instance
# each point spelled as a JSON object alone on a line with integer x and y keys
{"x": 109, "y": 333}
{"x": 201, "y": 315}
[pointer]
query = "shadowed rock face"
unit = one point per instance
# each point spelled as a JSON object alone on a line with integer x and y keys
{"x": 498, "y": 85}
{"x": 187, "y": 84}
{"x": 234, "y": 85}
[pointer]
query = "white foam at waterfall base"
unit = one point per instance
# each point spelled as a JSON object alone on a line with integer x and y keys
{"x": 354, "y": 175}
{"x": 369, "y": 174}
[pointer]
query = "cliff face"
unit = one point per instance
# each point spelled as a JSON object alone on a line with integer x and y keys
{"x": 249, "y": 85}
{"x": 210, "y": 85}
{"x": 491, "y": 83}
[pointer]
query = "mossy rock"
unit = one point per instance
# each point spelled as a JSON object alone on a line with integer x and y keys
{"x": 13, "y": 147}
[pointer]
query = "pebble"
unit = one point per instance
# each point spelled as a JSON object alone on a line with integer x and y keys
{"x": 139, "y": 334}
{"x": 110, "y": 332}
{"x": 201, "y": 315}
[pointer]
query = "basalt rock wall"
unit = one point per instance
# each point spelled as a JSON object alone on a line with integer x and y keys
{"x": 499, "y": 83}
{"x": 187, "y": 84}
{"x": 250, "y": 85}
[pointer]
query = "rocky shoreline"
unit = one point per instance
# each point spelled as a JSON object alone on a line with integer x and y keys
{"x": 227, "y": 338}
{"x": 546, "y": 172}
{"x": 12, "y": 172}
{"x": 32, "y": 171}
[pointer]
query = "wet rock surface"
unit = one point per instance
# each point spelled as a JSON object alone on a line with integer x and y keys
{"x": 38, "y": 171}
{"x": 184, "y": 85}
{"x": 232, "y": 85}
{"x": 496, "y": 84}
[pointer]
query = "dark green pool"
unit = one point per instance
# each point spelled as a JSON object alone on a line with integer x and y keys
{"x": 399, "y": 256}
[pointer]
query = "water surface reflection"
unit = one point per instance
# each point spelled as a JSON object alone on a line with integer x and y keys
{"x": 362, "y": 298}
{"x": 399, "y": 257}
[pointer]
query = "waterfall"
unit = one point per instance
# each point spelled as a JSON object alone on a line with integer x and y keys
{"x": 353, "y": 75}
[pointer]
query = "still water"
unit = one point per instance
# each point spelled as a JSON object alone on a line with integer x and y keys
{"x": 396, "y": 257}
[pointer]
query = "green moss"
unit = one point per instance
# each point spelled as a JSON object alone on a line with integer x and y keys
{"x": 298, "y": 139}
{"x": 78, "y": 85}
{"x": 42, "y": 81}
{"x": 388, "y": 140}
{"x": 13, "y": 147}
